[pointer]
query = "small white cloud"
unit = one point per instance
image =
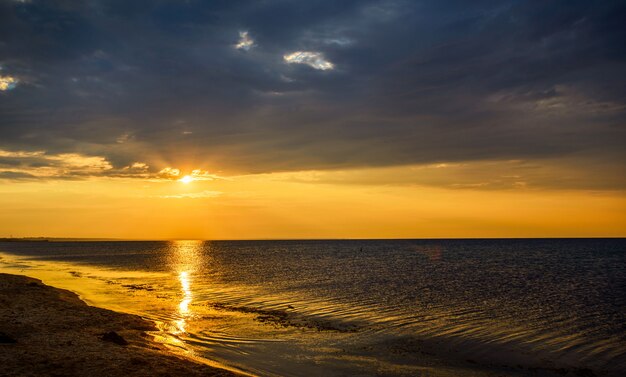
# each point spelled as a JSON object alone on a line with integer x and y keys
{"x": 8, "y": 83}
{"x": 245, "y": 41}
{"x": 203, "y": 175}
{"x": 137, "y": 167}
{"x": 313, "y": 59}
{"x": 123, "y": 138}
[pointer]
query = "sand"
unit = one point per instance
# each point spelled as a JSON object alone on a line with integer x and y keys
{"x": 46, "y": 331}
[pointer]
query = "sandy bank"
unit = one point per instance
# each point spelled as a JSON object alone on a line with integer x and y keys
{"x": 45, "y": 331}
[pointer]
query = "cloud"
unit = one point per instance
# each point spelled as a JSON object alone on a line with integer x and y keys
{"x": 413, "y": 83}
{"x": 312, "y": 59}
{"x": 169, "y": 173}
{"x": 12, "y": 175}
{"x": 557, "y": 174}
{"x": 21, "y": 154}
{"x": 81, "y": 163}
{"x": 245, "y": 41}
{"x": 41, "y": 165}
{"x": 203, "y": 175}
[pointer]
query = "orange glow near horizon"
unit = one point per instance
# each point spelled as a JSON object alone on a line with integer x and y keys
{"x": 366, "y": 203}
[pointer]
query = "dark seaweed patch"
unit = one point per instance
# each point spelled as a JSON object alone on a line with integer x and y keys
{"x": 287, "y": 318}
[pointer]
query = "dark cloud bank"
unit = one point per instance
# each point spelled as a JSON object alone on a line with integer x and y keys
{"x": 412, "y": 82}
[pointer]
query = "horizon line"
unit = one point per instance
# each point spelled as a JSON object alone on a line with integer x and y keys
{"x": 113, "y": 239}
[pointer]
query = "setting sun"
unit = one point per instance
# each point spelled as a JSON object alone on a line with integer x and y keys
{"x": 186, "y": 179}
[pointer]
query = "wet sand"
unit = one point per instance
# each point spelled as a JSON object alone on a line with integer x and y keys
{"x": 50, "y": 331}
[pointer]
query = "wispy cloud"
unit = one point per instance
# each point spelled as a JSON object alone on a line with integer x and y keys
{"x": 203, "y": 175}
{"x": 475, "y": 175}
{"x": 13, "y": 175}
{"x": 20, "y": 154}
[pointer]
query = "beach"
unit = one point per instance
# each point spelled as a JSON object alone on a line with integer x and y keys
{"x": 50, "y": 331}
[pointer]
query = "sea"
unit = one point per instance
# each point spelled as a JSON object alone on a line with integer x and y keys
{"x": 457, "y": 307}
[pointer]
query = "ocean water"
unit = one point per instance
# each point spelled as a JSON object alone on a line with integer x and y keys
{"x": 361, "y": 307}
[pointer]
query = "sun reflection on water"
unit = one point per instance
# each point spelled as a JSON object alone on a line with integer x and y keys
{"x": 184, "y": 259}
{"x": 184, "y": 303}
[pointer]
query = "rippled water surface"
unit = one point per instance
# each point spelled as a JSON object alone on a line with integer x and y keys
{"x": 405, "y": 307}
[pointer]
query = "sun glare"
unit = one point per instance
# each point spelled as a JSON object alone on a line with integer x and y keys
{"x": 186, "y": 179}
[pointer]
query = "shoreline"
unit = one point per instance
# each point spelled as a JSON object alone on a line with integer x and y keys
{"x": 50, "y": 331}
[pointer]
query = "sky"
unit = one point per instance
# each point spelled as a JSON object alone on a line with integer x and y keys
{"x": 317, "y": 119}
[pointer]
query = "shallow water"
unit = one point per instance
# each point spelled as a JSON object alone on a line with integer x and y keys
{"x": 387, "y": 307}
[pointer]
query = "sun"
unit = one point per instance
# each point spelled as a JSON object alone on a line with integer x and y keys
{"x": 186, "y": 179}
